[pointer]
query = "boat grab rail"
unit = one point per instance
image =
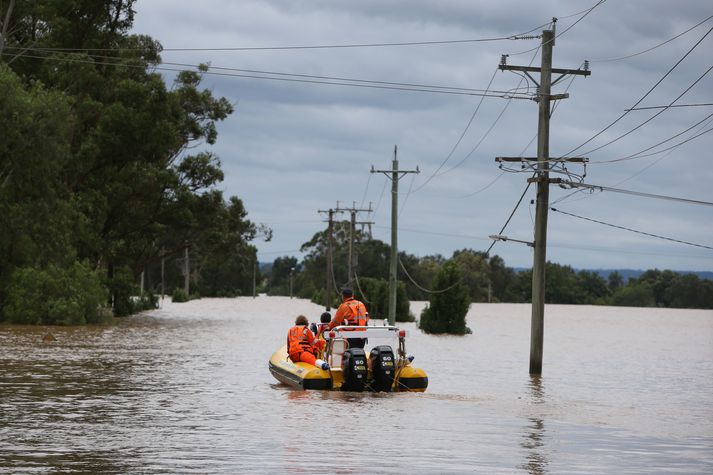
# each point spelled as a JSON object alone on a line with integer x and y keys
{"x": 349, "y": 331}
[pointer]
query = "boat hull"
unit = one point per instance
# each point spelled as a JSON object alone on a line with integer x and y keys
{"x": 303, "y": 375}
{"x": 299, "y": 375}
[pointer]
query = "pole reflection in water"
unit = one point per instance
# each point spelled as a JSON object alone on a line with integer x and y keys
{"x": 533, "y": 440}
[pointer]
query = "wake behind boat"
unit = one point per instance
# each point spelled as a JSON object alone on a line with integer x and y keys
{"x": 352, "y": 369}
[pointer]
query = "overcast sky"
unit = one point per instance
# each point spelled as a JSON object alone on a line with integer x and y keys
{"x": 293, "y": 148}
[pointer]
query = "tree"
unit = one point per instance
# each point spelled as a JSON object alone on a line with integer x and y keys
{"x": 114, "y": 180}
{"x": 279, "y": 280}
{"x": 448, "y": 307}
{"x": 615, "y": 281}
{"x": 422, "y": 271}
{"x": 688, "y": 291}
{"x": 503, "y": 280}
{"x": 636, "y": 294}
{"x": 375, "y": 295}
{"x": 474, "y": 269}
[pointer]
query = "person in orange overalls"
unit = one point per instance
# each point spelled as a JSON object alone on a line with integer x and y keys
{"x": 323, "y": 324}
{"x": 302, "y": 344}
{"x": 351, "y": 312}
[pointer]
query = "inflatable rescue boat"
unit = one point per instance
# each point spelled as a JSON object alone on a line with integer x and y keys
{"x": 352, "y": 369}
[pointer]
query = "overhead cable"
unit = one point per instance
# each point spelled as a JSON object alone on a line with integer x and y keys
{"x": 671, "y": 106}
{"x": 669, "y": 150}
{"x": 636, "y": 193}
{"x": 460, "y": 139}
{"x": 324, "y": 46}
{"x": 586, "y": 12}
{"x": 642, "y": 97}
{"x": 631, "y": 230}
{"x": 362, "y": 83}
{"x": 641, "y": 153}
{"x": 604, "y": 60}
{"x": 310, "y": 76}
{"x": 652, "y": 117}
{"x": 517, "y": 205}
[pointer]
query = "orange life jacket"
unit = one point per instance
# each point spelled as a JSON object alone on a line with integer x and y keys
{"x": 297, "y": 340}
{"x": 357, "y": 313}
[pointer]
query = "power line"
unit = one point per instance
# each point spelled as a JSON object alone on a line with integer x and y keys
{"x": 642, "y": 97}
{"x": 361, "y": 83}
{"x": 448, "y": 157}
{"x": 653, "y": 47}
{"x": 311, "y": 76}
{"x": 586, "y": 12}
{"x": 642, "y": 154}
{"x": 423, "y": 289}
{"x": 669, "y": 150}
{"x": 517, "y": 205}
{"x": 670, "y": 106}
{"x": 632, "y": 230}
{"x": 485, "y": 187}
{"x": 455, "y": 146}
{"x": 434, "y": 233}
{"x": 323, "y": 46}
{"x": 652, "y": 117}
{"x": 636, "y": 193}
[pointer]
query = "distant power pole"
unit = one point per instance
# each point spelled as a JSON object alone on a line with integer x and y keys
{"x": 394, "y": 175}
{"x": 186, "y": 273}
{"x": 543, "y": 181}
{"x": 330, "y": 271}
{"x": 255, "y": 277}
{"x": 352, "y": 231}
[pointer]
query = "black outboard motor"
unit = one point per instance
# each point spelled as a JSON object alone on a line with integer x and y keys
{"x": 382, "y": 366}
{"x": 354, "y": 370}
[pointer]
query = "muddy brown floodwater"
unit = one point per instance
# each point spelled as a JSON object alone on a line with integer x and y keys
{"x": 186, "y": 389}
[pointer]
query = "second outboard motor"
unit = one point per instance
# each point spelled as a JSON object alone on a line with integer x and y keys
{"x": 354, "y": 370}
{"x": 382, "y": 366}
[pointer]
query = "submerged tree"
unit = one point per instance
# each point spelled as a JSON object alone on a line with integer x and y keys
{"x": 448, "y": 306}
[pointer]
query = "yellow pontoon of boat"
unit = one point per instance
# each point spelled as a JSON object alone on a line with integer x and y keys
{"x": 352, "y": 369}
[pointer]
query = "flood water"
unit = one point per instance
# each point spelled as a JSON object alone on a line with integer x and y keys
{"x": 186, "y": 389}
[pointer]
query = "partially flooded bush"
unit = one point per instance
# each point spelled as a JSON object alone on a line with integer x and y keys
{"x": 447, "y": 309}
{"x": 180, "y": 295}
{"x": 54, "y": 296}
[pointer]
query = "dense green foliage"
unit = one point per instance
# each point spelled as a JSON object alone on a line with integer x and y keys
{"x": 97, "y": 167}
{"x": 54, "y": 295}
{"x": 485, "y": 278}
{"x": 447, "y": 308}
{"x": 375, "y": 295}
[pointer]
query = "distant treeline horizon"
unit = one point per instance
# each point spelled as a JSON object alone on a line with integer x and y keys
{"x": 626, "y": 273}
{"x": 487, "y": 277}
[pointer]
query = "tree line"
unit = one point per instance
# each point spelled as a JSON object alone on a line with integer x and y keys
{"x": 482, "y": 278}
{"x": 100, "y": 177}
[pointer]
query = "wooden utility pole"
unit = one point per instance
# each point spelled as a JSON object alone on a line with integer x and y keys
{"x": 394, "y": 175}
{"x": 330, "y": 270}
{"x": 352, "y": 232}
{"x": 543, "y": 187}
{"x": 255, "y": 277}
{"x": 186, "y": 273}
{"x": 163, "y": 274}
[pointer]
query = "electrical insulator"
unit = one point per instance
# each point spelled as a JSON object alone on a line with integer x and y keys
{"x": 503, "y": 59}
{"x": 586, "y": 65}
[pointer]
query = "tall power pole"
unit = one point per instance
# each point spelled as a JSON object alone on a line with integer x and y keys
{"x": 394, "y": 175}
{"x": 543, "y": 188}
